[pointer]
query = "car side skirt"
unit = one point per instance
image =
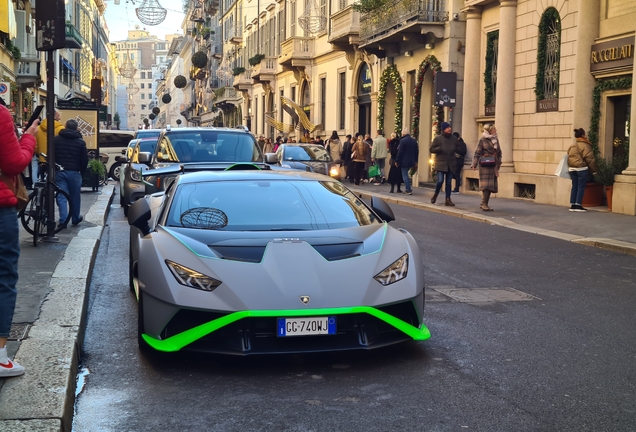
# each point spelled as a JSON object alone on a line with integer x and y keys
{"x": 181, "y": 340}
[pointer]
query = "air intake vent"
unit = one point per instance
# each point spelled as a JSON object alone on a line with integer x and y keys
{"x": 253, "y": 254}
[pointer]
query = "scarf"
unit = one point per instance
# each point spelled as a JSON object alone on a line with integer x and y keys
{"x": 492, "y": 138}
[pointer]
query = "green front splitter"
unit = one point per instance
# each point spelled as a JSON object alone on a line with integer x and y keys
{"x": 176, "y": 342}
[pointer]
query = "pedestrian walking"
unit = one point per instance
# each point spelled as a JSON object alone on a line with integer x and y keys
{"x": 395, "y": 172}
{"x": 408, "y": 154}
{"x": 580, "y": 162}
{"x": 347, "y": 149}
{"x": 359, "y": 158}
{"x": 15, "y": 156}
{"x": 42, "y": 141}
{"x": 379, "y": 152}
{"x": 459, "y": 162}
{"x": 444, "y": 146}
{"x": 70, "y": 153}
{"x": 335, "y": 147}
{"x": 268, "y": 147}
{"x": 488, "y": 157}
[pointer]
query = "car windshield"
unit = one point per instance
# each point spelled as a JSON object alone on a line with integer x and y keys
{"x": 147, "y": 133}
{"x": 306, "y": 153}
{"x": 271, "y": 205}
{"x": 208, "y": 146}
{"x": 147, "y": 145}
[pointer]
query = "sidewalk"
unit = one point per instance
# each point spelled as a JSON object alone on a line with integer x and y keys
{"x": 54, "y": 279}
{"x": 47, "y": 327}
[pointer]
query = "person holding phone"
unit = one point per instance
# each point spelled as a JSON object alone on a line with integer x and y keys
{"x": 42, "y": 141}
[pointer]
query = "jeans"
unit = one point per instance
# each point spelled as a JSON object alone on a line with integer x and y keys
{"x": 406, "y": 178}
{"x": 458, "y": 174}
{"x": 579, "y": 179}
{"x": 440, "y": 181}
{"x": 358, "y": 171}
{"x": 380, "y": 163}
{"x": 9, "y": 254}
{"x": 71, "y": 183}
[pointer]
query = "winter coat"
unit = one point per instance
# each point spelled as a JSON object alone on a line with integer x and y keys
{"x": 335, "y": 147}
{"x": 268, "y": 147}
{"x": 346, "y": 152}
{"x": 15, "y": 155}
{"x": 361, "y": 149}
{"x": 42, "y": 137}
{"x": 408, "y": 152}
{"x": 445, "y": 146}
{"x": 581, "y": 155}
{"x": 379, "y": 150}
{"x": 487, "y": 175}
{"x": 70, "y": 151}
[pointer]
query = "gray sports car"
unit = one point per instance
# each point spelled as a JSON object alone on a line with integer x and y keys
{"x": 248, "y": 262}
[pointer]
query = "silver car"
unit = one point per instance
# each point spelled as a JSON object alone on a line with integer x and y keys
{"x": 261, "y": 261}
{"x": 131, "y": 186}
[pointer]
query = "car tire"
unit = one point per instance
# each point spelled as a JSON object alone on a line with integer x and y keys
{"x": 115, "y": 169}
{"x": 126, "y": 207}
{"x": 131, "y": 274}
{"x": 143, "y": 346}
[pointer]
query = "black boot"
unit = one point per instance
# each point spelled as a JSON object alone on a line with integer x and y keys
{"x": 434, "y": 198}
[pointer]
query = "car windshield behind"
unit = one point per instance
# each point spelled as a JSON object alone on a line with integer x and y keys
{"x": 306, "y": 153}
{"x": 147, "y": 145}
{"x": 147, "y": 133}
{"x": 278, "y": 205}
{"x": 208, "y": 146}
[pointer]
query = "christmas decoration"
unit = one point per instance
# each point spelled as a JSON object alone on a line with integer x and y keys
{"x": 180, "y": 81}
{"x": 156, "y": 110}
{"x": 430, "y": 62}
{"x": 200, "y": 59}
{"x": 151, "y": 13}
{"x": 166, "y": 98}
{"x": 391, "y": 72}
{"x": 312, "y": 21}
{"x": 152, "y": 116}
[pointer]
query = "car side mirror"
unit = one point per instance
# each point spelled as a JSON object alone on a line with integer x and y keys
{"x": 123, "y": 151}
{"x": 139, "y": 215}
{"x": 121, "y": 159}
{"x": 144, "y": 157}
{"x": 382, "y": 209}
{"x": 271, "y": 158}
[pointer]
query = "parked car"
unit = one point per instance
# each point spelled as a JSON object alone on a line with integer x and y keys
{"x": 199, "y": 148}
{"x": 249, "y": 262}
{"x": 113, "y": 142}
{"x": 131, "y": 186}
{"x": 148, "y": 133}
{"x": 305, "y": 157}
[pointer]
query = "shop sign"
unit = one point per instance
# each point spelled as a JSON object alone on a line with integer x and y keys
{"x": 618, "y": 53}
{"x": 547, "y": 105}
{"x": 489, "y": 110}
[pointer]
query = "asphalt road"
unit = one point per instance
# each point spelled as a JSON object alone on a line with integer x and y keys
{"x": 559, "y": 357}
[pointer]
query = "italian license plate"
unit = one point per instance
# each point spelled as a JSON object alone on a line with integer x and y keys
{"x": 306, "y": 326}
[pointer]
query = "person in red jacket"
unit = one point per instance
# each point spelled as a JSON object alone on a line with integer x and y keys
{"x": 14, "y": 157}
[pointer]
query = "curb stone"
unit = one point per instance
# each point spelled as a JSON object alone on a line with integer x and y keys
{"x": 600, "y": 243}
{"x": 42, "y": 399}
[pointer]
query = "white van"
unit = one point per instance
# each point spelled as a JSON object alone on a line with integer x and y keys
{"x": 113, "y": 142}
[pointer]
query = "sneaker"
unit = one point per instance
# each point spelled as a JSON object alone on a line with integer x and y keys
{"x": 455, "y": 192}
{"x": 572, "y": 208}
{"x": 376, "y": 184}
{"x": 408, "y": 192}
{"x": 62, "y": 226}
{"x": 10, "y": 369}
{"x": 580, "y": 209}
{"x": 80, "y": 219}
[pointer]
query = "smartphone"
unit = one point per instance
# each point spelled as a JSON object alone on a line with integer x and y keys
{"x": 36, "y": 114}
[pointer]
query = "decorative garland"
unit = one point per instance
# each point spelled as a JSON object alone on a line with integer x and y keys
{"x": 489, "y": 92}
{"x": 391, "y": 72}
{"x": 200, "y": 59}
{"x": 601, "y": 86}
{"x": 180, "y": 81}
{"x": 550, "y": 16}
{"x": 434, "y": 64}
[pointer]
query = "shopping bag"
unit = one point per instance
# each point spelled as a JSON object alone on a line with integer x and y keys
{"x": 562, "y": 168}
{"x": 374, "y": 171}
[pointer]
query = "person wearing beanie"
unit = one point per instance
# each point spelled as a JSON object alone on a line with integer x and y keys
{"x": 407, "y": 157}
{"x": 444, "y": 146}
{"x": 580, "y": 162}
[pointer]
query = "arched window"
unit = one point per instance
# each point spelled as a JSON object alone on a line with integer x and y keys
{"x": 548, "y": 61}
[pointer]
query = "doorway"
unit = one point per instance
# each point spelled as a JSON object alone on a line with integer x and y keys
{"x": 364, "y": 116}
{"x": 621, "y": 126}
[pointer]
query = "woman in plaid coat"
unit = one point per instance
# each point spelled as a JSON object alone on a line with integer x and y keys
{"x": 488, "y": 146}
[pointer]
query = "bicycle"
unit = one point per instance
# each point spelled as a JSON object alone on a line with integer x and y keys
{"x": 34, "y": 217}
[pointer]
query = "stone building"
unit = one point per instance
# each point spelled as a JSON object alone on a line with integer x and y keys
{"x": 539, "y": 69}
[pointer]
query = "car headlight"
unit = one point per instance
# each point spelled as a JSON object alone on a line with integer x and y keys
{"x": 334, "y": 171}
{"x": 135, "y": 175}
{"x": 192, "y": 278}
{"x": 395, "y": 272}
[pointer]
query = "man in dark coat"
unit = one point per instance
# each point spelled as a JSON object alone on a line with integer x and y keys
{"x": 459, "y": 161}
{"x": 70, "y": 153}
{"x": 444, "y": 147}
{"x": 407, "y": 156}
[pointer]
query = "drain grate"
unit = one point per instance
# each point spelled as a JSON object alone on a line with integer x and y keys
{"x": 485, "y": 295}
{"x": 19, "y": 332}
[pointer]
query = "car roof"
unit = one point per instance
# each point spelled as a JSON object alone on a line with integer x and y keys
{"x": 200, "y": 128}
{"x": 260, "y": 175}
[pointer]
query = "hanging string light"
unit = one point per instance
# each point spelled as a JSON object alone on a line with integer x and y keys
{"x": 132, "y": 88}
{"x": 151, "y": 13}
{"x": 224, "y": 72}
{"x": 312, "y": 21}
{"x": 127, "y": 69}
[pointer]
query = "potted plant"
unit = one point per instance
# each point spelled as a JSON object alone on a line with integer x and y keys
{"x": 606, "y": 170}
{"x": 256, "y": 59}
{"x": 238, "y": 70}
{"x": 116, "y": 120}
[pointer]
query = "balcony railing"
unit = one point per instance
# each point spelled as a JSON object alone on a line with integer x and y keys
{"x": 398, "y": 15}
{"x": 225, "y": 94}
{"x": 296, "y": 48}
{"x": 235, "y": 34}
{"x": 28, "y": 71}
{"x": 345, "y": 25}
{"x": 74, "y": 39}
{"x": 265, "y": 70}
{"x": 243, "y": 81}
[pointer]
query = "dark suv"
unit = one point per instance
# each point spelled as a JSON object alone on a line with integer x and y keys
{"x": 199, "y": 148}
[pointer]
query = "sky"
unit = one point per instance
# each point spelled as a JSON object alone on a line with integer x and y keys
{"x": 122, "y": 17}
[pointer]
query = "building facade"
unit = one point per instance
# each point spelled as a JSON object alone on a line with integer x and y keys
{"x": 543, "y": 68}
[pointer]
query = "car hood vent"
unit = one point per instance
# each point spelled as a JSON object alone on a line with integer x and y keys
{"x": 254, "y": 253}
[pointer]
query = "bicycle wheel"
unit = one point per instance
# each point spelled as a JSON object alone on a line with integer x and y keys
{"x": 27, "y": 214}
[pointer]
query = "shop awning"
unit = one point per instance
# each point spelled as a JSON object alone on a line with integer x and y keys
{"x": 68, "y": 65}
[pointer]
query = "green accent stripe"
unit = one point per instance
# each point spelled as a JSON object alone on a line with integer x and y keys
{"x": 177, "y": 342}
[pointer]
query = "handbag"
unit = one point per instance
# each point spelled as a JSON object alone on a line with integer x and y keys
{"x": 563, "y": 169}
{"x": 488, "y": 161}
{"x": 17, "y": 187}
{"x": 374, "y": 170}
